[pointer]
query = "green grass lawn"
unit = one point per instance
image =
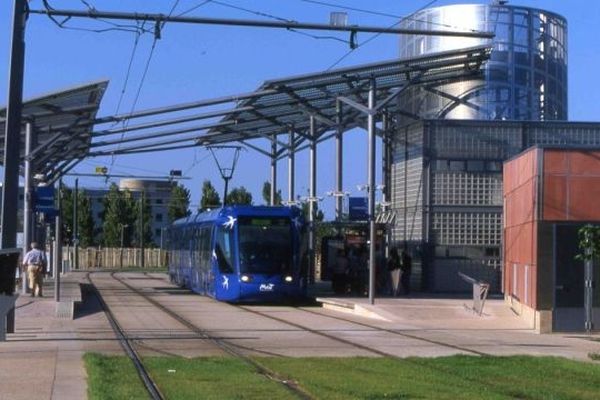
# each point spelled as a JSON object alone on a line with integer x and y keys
{"x": 456, "y": 377}
{"x": 112, "y": 378}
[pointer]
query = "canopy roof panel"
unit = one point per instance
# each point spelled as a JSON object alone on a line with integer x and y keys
{"x": 63, "y": 123}
{"x": 281, "y": 105}
{"x": 298, "y": 97}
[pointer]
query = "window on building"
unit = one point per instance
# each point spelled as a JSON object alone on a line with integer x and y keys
{"x": 159, "y": 201}
{"x": 159, "y": 217}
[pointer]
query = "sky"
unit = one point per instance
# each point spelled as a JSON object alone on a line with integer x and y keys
{"x": 196, "y": 62}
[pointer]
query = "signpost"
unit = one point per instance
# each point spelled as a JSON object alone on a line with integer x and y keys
{"x": 358, "y": 208}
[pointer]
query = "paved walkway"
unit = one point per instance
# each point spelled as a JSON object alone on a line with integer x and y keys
{"x": 51, "y": 348}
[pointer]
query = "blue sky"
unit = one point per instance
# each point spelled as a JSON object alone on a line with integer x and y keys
{"x": 193, "y": 62}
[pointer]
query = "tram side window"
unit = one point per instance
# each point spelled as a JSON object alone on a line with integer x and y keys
{"x": 223, "y": 250}
{"x": 205, "y": 246}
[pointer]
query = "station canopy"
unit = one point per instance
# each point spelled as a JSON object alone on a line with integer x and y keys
{"x": 63, "y": 124}
{"x": 280, "y": 106}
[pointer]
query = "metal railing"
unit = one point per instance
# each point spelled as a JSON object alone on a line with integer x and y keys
{"x": 480, "y": 292}
{"x": 110, "y": 258}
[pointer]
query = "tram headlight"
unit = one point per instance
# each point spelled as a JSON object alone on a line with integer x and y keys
{"x": 245, "y": 278}
{"x": 288, "y": 278}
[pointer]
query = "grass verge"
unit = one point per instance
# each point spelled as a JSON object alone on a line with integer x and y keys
{"x": 456, "y": 377}
{"x": 112, "y": 378}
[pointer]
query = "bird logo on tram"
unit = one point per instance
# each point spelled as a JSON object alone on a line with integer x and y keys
{"x": 230, "y": 222}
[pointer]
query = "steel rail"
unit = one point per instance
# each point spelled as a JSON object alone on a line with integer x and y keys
{"x": 219, "y": 342}
{"x": 124, "y": 340}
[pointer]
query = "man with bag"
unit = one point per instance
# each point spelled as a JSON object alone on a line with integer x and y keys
{"x": 35, "y": 264}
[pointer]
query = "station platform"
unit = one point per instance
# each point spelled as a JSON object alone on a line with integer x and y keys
{"x": 423, "y": 310}
{"x": 50, "y": 346}
{"x": 43, "y": 359}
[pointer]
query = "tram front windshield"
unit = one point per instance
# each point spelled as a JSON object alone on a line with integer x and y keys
{"x": 265, "y": 245}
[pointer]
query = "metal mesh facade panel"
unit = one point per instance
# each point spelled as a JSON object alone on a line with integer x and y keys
{"x": 475, "y": 142}
{"x": 467, "y": 228}
{"x": 408, "y": 178}
{"x": 466, "y": 188}
{"x": 563, "y": 135}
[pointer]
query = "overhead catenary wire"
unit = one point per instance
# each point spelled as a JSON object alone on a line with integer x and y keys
{"x": 375, "y": 36}
{"x": 382, "y": 14}
{"x": 263, "y": 14}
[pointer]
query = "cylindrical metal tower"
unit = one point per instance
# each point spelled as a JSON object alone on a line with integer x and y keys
{"x": 526, "y": 78}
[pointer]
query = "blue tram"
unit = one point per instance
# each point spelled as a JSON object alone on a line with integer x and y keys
{"x": 240, "y": 253}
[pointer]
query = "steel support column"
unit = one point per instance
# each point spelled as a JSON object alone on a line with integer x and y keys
{"x": 57, "y": 267}
{"x": 291, "y": 167}
{"x": 12, "y": 133}
{"x": 339, "y": 158}
{"x": 312, "y": 199}
{"x": 384, "y": 177}
{"x": 27, "y": 199}
{"x": 371, "y": 191}
{"x": 273, "y": 193}
{"x": 75, "y": 226}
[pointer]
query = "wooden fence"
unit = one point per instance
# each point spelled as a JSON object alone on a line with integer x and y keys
{"x": 109, "y": 258}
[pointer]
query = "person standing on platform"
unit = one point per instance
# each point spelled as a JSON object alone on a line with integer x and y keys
{"x": 340, "y": 273}
{"x": 406, "y": 268}
{"x": 34, "y": 263}
{"x": 393, "y": 267}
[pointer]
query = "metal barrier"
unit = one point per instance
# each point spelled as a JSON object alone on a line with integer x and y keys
{"x": 480, "y": 292}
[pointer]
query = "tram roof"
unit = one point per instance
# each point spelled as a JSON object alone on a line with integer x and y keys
{"x": 63, "y": 122}
{"x": 237, "y": 210}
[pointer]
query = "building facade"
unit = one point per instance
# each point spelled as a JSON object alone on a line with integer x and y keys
{"x": 525, "y": 78}
{"x": 157, "y": 192}
{"x": 446, "y": 172}
{"x": 447, "y": 192}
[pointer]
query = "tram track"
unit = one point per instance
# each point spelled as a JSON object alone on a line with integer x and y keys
{"x": 362, "y": 324}
{"x": 224, "y": 345}
{"x": 127, "y": 344}
{"x": 398, "y": 332}
{"x": 236, "y": 350}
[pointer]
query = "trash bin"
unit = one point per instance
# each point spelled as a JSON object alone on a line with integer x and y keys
{"x": 9, "y": 259}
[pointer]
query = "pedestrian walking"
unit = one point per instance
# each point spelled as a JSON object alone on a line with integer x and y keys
{"x": 34, "y": 263}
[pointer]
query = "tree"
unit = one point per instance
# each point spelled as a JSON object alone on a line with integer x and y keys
{"x": 239, "y": 196}
{"x": 179, "y": 202}
{"x": 67, "y": 214}
{"x": 85, "y": 220}
{"x": 143, "y": 222}
{"x": 119, "y": 217}
{"x": 210, "y": 197}
{"x": 266, "y": 193}
{"x": 319, "y": 216}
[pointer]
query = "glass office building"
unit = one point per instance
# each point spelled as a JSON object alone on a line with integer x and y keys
{"x": 526, "y": 78}
{"x": 446, "y": 172}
